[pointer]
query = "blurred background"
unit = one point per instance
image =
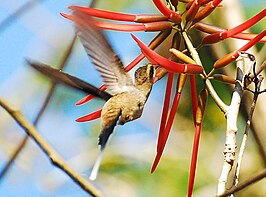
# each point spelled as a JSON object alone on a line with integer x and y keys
{"x": 38, "y": 32}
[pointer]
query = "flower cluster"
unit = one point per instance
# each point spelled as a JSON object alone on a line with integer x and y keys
{"x": 181, "y": 61}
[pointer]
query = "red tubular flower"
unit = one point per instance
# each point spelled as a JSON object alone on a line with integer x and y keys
{"x": 142, "y": 18}
{"x": 165, "y": 108}
{"x": 89, "y": 97}
{"x": 176, "y": 18}
{"x": 169, "y": 65}
{"x": 207, "y": 28}
{"x": 248, "y": 36}
{"x": 238, "y": 29}
{"x": 253, "y": 41}
{"x": 207, "y": 10}
{"x": 165, "y": 130}
{"x": 154, "y": 26}
{"x": 193, "y": 92}
{"x": 235, "y": 54}
{"x": 199, "y": 118}
{"x": 193, "y": 163}
{"x": 216, "y": 37}
{"x": 91, "y": 116}
{"x": 193, "y": 10}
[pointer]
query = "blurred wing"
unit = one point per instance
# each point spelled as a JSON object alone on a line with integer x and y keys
{"x": 69, "y": 80}
{"x": 101, "y": 53}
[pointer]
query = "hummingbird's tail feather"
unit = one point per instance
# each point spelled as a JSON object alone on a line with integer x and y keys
{"x": 107, "y": 130}
{"x": 97, "y": 164}
{"x": 104, "y": 139}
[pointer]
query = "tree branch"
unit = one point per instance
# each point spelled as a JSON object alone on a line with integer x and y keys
{"x": 231, "y": 117}
{"x": 244, "y": 184}
{"x": 49, "y": 151}
{"x": 257, "y": 81}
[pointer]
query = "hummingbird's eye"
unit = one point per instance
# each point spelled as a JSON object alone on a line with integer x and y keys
{"x": 127, "y": 117}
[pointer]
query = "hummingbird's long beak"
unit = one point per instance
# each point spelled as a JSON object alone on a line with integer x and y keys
{"x": 68, "y": 80}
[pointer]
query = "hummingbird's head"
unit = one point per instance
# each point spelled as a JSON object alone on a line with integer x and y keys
{"x": 145, "y": 74}
{"x": 144, "y": 77}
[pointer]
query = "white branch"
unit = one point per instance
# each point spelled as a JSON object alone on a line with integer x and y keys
{"x": 232, "y": 114}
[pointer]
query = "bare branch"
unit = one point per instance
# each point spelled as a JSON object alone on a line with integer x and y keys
{"x": 231, "y": 117}
{"x": 245, "y": 184}
{"x": 49, "y": 151}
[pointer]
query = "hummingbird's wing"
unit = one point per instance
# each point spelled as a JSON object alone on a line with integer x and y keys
{"x": 69, "y": 80}
{"x": 101, "y": 53}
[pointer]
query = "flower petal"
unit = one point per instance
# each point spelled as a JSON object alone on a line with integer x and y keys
{"x": 166, "y": 131}
{"x": 153, "y": 26}
{"x": 166, "y": 12}
{"x": 193, "y": 92}
{"x": 89, "y": 97}
{"x": 165, "y": 108}
{"x": 119, "y": 16}
{"x": 91, "y": 116}
{"x": 168, "y": 64}
{"x": 193, "y": 163}
{"x": 216, "y": 37}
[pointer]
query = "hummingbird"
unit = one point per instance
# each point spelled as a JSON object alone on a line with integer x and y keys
{"x": 128, "y": 97}
{"x": 119, "y": 108}
{"x": 125, "y": 99}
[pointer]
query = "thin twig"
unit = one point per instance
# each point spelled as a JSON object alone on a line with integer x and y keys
{"x": 245, "y": 184}
{"x": 55, "y": 158}
{"x": 259, "y": 69}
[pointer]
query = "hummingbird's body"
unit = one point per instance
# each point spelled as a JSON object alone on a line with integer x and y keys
{"x": 127, "y": 105}
{"x": 128, "y": 98}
